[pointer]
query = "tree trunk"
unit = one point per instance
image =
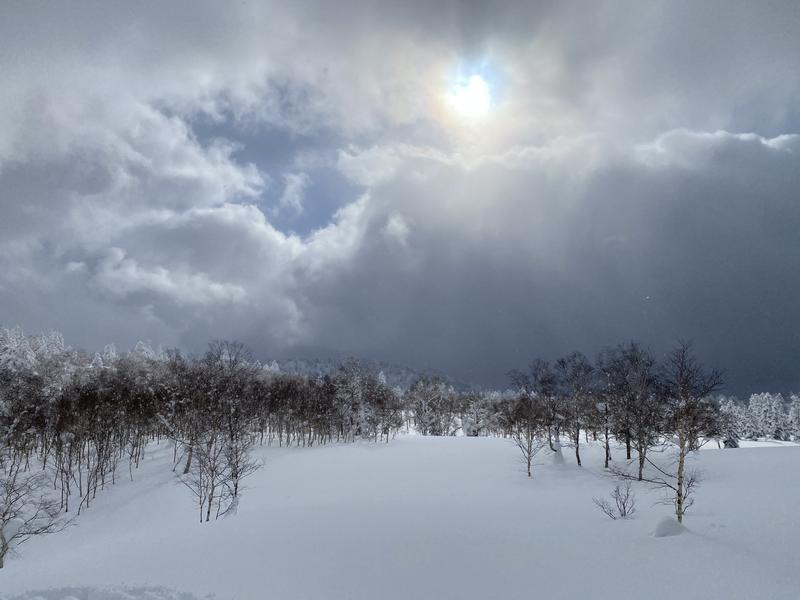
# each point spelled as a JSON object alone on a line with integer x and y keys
{"x": 628, "y": 445}
{"x": 188, "y": 460}
{"x": 641, "y": 462}
{"x": 210, "y": 503}
{"x": 3, "y": 548}
{"x": 679, "y": 493}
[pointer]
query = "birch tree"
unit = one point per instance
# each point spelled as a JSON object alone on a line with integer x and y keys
{"x": 690, "y": 413}
{"x": 574, "y": 374}
{"x": 527, "y": 428}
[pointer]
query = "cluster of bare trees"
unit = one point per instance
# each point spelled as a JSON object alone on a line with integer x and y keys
{"x": 71, "y": 424}
{"x": 626, "y": 395}
{"x": 26, "y": 509}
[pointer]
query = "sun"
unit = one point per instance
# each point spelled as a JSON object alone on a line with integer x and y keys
{"x": 471, "y": 99}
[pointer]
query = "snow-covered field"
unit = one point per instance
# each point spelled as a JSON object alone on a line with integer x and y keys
{"x": 434, "y": 518}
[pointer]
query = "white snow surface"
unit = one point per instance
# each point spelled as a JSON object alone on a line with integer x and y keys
{"x": 427, "y": 518}
{"x": 118, "y": 593}
{"x": 668, "y": 526}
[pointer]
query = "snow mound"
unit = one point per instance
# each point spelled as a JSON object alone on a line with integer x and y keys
{"x": 668, "y": 527}
{"x": 86, "y": 593}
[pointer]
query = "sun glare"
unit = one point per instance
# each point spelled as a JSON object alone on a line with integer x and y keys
{"x": 471, "y": 99}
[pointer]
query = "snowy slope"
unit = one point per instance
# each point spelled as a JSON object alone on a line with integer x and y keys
{"x": 433, "y": 518}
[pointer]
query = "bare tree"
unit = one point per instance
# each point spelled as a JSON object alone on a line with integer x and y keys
{"x": 624, "y": 502}
{"x": 672, "y": 477}
{"x": 605, "y": 396}
{"x": 689, "y": 416}
{"x": 434, "y": 406}
{"x": 541, "y": 382}
{"x": 528, "y": 428}
{"x": 642, "y": 401}
{"x": 635, "y": 406}
{"x": 575, "y": 380}
{"x": 691, "y": 413}
{"x": 209, "y": 476}
{"x": 26, "y": 509}
{"x": 237, "y": 454}
{"x": 231, "y": 371}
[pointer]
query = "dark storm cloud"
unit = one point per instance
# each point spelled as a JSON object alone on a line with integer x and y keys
{"x": 692, "y": 236}
{"x": 156, "y": 160}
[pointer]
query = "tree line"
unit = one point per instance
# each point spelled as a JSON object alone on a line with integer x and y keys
{"x": 765, "y": 415}
{"x": 73, "y": 423}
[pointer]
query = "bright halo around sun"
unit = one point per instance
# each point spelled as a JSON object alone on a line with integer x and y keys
{"x": 471, "y": 99}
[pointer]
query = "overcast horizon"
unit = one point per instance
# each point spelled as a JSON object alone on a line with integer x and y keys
{"x": 458, "y": 186}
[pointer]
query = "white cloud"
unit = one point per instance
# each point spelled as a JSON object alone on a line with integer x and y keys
{"x": 120, "y": 276}
{"x": 295, "y": 185}
{"x": 397, "y": 229}
{"x": 601, "y": 128}
{"x": 698, "y": 150}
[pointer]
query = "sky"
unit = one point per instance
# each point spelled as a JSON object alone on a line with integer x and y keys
{"x": 454, "y": 185}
